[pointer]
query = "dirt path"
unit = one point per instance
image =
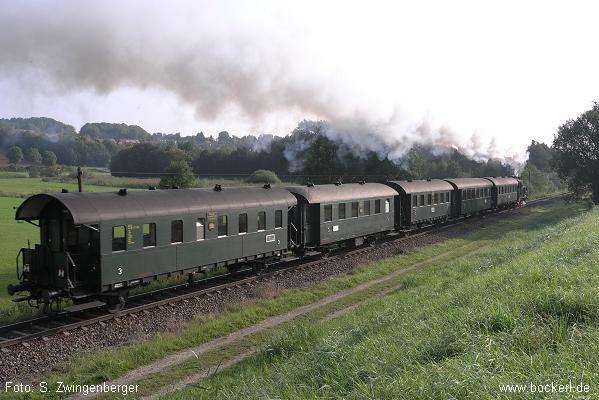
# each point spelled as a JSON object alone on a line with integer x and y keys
{"x": 208, "y": 372}
{"x": 182, "y": 356}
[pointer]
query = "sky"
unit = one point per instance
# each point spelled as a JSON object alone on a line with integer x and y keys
{"x": 483, "y": 76}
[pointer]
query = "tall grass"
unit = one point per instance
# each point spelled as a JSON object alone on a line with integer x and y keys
{"x": 523, "y": 310}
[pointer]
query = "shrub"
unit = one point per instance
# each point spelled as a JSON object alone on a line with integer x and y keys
{"x": 14, "y": 155}
{"x": 34, "y": 172}
{"x": 178, "y": 173}
{"x": 33, "y": 155}
{"x": 263, "y": 176}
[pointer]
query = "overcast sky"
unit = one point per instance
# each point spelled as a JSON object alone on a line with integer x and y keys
{"x": 488, "y": 76}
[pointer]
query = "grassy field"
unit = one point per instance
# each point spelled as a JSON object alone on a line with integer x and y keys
{"x": 519, "y": 308}
{"x": 522, "y": 311}
{"x": 13, "y": 236}
{"x": 22, "y": 187}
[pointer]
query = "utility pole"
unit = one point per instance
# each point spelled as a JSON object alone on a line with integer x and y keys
{"x": 79, "y": 183}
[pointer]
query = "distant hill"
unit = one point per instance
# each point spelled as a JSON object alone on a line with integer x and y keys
{"x": 48, "y": 127}
{"x": 106, "y": 130}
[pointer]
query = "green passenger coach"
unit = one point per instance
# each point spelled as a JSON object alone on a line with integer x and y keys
{"x": 505, "y": 192}
{"x": 104, "y": 243}
{"x": 331, "y": 214}
{"x": 470, "y": 195}
{"x": 421, "y": 202}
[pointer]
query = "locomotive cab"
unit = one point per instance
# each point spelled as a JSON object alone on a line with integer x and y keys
{"x": 67, "y": 254}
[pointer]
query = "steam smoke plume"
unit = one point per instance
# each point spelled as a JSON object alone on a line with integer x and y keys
{"x": 212, "y": 62}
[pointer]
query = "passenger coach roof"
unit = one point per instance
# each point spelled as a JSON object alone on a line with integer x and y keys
{"x": 433, "y": 185}
{"x": 503, "y": 181}
{"x": 469, "y": 183}
{"x": 346, "y": 192}
{"x": 88, "y": 208}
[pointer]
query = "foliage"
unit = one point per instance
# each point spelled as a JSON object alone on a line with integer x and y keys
{"x": 263, "y": 176}
{"x": 48, "y": 158}
{"x": 34, "y": 172}
{"x": 540, "y": 155}
{"x": 576, "y": 152}
{"x": 178, "y": 174}
{"x": 33, "y": 155}
{"x": 541, "y": 183}
{"x": 107, "y": 130}
{"x": 144, "y": 160}
{"x": 44, "y": 126}
{"x": 14, "y": 155}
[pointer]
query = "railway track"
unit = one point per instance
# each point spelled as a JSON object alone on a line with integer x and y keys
{"x": 45, "y": 326}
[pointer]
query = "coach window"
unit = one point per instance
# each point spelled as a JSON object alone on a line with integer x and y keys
{"x": 421, "y": 200}
{"x": 278, "y": 219}
{"x": 387, "y": 205}
{"x": 354, "y": 209}
{"x": 436, "y": 198}
{"x": 223, "y": 228}
{"x": 200, "y": 229}
{"x": 243, "y": 223}
{"x": 149, "y": 231}
{"x": 361, "y": 208}
{"x": 377, "y": 206}
{"x": 177, "y": 231}
{"x": 119, "y": 241}
{"x": 261, "y": 220}
{"x": 328, "y": 212}
{"x": 429, "y": 199}
{"x": 415, "y": 201}
{"x": 367, "y": 207}
{"x": 341, "y": 210}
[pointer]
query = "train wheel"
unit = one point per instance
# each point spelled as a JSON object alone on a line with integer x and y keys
{"x": 116, "y": 303}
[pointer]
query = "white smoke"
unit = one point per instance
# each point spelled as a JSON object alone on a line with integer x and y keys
{"x": 217, "y": 57}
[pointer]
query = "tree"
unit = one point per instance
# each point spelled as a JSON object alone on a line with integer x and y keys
{"x": 263, "y": 176}
{"x": 539, "y": 155}
{"x": 15, "y": 155}
{"x": 48, "y": 158}
{"x": 33, "y": 155}
{"x": 178, "y": 173}
{"x": 576, "y": 152}
{"x": 144, "y": 159}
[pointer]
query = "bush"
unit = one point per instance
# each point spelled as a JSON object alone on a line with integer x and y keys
{"x": 263, "y": 176}
{"x": 14, "y": 155}
{"x": 54, "y": 170}
{"x": 34, "y": 172}
{"x": 33, "y": 155}
{"x": 48, "y": 158}
{"x": 178, "y": 173}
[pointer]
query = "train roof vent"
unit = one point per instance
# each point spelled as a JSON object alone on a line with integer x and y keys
{"x": 151, "y": 187}
{"x": 174, "y": 187}
{"x": 310, "y": 184}
{"x": 266, "y": 186}
{"x": 122, "y": 192}
{"x": 362, "y": 182}
{"x": 218, "y": 188}
{"x": 428, "y": 179}
{"x": 64, "y": 191}
{"x": 338, "y": 183}
{"x": 410, "y": 180}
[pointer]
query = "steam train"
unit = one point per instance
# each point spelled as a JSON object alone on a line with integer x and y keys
{"x": 95, "y": 247}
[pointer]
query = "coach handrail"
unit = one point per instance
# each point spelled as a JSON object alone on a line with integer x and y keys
{"x": 19, "y": 276}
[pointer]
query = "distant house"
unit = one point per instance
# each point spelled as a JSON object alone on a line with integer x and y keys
{"x": 127, "y": 141}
